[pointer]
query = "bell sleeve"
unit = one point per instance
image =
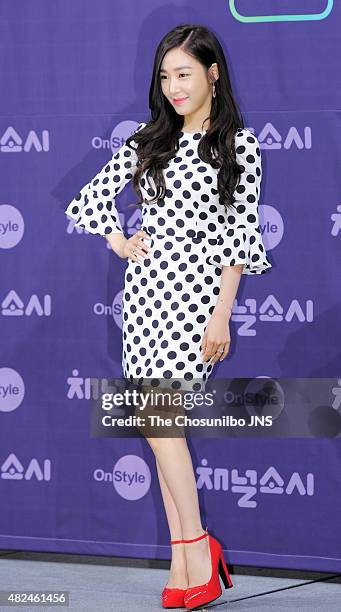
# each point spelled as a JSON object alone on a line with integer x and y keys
{"x": 94, "y": 206}
{"x": 240, "y": 240}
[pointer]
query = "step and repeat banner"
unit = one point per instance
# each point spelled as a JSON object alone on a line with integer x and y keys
{"x": 76, "y": 83}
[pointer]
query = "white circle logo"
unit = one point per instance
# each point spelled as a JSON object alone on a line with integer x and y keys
{"x": 11, "y": 226}
{"x": 120, "y": 134}
{"x": 12, "y": 389}
{"x": 131, "y": 477}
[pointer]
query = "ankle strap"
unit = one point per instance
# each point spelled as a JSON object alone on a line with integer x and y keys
{"x": 196, "y": 539}
{"x": 176, "y": 541}
{"x": 189, "y": 541}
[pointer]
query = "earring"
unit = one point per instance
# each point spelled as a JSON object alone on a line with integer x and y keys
{"x": 213, "y": 91}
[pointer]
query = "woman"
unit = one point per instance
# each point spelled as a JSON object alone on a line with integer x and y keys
{"x": 197, "y": 172}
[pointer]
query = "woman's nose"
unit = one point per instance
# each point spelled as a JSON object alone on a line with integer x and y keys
{"x": 173, "y": 90}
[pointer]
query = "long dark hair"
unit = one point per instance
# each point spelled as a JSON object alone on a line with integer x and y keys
{"x": 158, "y": 141}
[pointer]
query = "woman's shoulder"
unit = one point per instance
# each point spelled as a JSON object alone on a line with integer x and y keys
{"x": 247, "y": 148}
{"x": 246, "y": 138}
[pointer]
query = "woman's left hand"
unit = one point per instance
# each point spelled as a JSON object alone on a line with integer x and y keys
{"x": 216, "y": 338}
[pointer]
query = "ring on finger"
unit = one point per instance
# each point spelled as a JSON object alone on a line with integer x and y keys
{"x": 217, "y": 351}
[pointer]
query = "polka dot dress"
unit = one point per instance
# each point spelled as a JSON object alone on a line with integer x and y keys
{"x": 169, "y": 297}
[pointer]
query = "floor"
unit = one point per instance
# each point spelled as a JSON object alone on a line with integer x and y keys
{"x": 106, "y": 584}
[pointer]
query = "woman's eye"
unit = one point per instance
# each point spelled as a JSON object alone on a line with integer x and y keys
{"x": 162, "y": 76}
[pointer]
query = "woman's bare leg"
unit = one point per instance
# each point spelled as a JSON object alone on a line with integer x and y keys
{"x": 180, "y": 495}
{"x": 178, "y": 570}
{"x": 175, "y": 464}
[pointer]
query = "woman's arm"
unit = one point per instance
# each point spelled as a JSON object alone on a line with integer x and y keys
{"x": 217, "y": 333}
{"x": 116, "y": 242}
{"x": 240, "y": 241}
{"x": 229, "y": 283}
{"x": 94, "y": 206}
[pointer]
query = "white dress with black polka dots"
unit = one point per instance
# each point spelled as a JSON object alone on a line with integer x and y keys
{"x": 170, "y": 296}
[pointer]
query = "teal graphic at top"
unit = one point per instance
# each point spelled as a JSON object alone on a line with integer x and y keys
{"x": 234, "y": 4}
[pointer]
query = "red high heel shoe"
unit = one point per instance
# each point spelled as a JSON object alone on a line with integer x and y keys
{"x": 202, "y": 594}
{"x": 173, "y": 598}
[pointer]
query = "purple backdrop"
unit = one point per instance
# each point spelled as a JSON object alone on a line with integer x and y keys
{"x": 73, "y": 77}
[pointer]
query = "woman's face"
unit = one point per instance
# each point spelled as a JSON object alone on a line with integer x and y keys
{"x": 185, "y": 80}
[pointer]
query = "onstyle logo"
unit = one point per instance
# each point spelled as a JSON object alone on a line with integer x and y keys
{"x": 131, "y": 477}
{"x": 117, "y": 137}
{"x": 12, "y": 390}
{"x": 271, "y": 226}
{"x": 114, "y": 310}
{"x": 11, "y": 226}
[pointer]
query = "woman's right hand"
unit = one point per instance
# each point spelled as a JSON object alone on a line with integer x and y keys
{"x": 134, "y": 248}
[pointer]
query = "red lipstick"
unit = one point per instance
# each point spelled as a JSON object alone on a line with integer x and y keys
{"x": 179, "y": 100}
